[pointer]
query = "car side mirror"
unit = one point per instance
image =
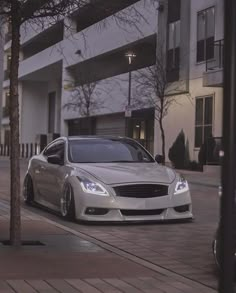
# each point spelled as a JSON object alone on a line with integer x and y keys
{"x": 55, "y": 160}
{"x": 159, "y": 159}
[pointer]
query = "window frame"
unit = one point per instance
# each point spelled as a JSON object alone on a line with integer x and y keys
{"x": 175, "y": 49}
{"x": 204, "y": 125}
{"x": 51, "y": 145}
{"x": 205, "y": 33}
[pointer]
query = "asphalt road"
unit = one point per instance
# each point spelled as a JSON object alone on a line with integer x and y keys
{"x": 184, "y": 248}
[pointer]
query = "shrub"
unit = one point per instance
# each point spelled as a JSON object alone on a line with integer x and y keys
{"x": 177, "y": 151}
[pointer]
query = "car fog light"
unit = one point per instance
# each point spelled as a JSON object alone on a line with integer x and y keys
{"x": 96, "y": 211}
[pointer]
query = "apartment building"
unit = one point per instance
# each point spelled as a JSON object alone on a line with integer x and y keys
{"x": 88, "y": 47}
{"x": 194, "y": 40}
{"x": 91, "y": 47}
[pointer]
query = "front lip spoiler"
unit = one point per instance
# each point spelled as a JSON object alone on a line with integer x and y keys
{"x": 136, "y": 222}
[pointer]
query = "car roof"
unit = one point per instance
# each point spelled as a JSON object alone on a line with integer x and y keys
{"x": 83, "y": 137}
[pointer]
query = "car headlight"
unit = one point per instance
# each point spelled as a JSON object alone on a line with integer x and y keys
{"x": 89, "y": 186}
{"x": 181, "y": 185}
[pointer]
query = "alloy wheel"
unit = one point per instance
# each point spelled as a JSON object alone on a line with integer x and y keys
{"x": 66, "y": 200}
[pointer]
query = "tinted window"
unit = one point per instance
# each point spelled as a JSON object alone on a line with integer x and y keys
{"x": 106, "y": 151}
{"x": 205, "y": 34}
{"x": 56, "y": 148}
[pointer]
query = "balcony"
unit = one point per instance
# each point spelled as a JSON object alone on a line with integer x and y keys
{"x": 102, "y": 41}
{"x": 213, "y": 77}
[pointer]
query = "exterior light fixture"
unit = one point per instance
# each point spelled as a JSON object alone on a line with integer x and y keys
{"x": 78, "y": 52}
{"x": 130, "y": 56}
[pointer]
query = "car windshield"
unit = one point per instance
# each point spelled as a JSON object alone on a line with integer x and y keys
{"x": 107, "y": 151}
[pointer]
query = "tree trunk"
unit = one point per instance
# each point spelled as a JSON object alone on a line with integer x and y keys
{"x": 160, "y": 120}
{"x": 162, "y": 141}
{"x": 15, "y": 218}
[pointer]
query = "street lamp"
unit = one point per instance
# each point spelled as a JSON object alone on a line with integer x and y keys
{"x": 130, "y": 56}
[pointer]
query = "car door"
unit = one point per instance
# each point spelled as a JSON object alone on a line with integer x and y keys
{"x": 52, "y": 175}
{"x": 41, "y": 182}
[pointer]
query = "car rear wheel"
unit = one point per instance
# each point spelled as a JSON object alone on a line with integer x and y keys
{"x": 216, "y": 251}
{"x": 67, "y": 203}
{"x": 28, "y": 190}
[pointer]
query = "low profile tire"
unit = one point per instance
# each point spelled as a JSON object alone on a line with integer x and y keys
{"x": 68, "y": 203}
{"x": 28, "y": 190}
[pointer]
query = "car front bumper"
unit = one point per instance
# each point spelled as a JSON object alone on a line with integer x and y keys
{"x": 123, "y": 209}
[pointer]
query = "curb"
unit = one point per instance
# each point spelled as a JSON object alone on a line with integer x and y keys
{"x": 215, "y": 185}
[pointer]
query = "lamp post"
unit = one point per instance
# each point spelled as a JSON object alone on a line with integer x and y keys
{"x": 130, "y": 56}
{"x": 227, "y": 225}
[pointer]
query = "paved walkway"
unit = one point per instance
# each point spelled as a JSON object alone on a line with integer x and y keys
{"x": 202, "y": 178}
{"x": 67, "y": 262}
{"x": 71, "y": 261}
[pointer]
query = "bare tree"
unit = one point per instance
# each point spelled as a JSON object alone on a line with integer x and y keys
{"x": 87, "y": 98}
{"x": 152, "y": 89}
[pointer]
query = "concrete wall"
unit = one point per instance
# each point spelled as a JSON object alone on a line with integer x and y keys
{"x": 34, "y": 114}
{"x": 55, "y": 86}
{"x": 181, "y": 115}
{"x": 94, "y": 41}
{"x": 111, "y": 96}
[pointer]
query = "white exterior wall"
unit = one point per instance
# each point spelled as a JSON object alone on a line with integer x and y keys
{"x": 181, "y": 114}
{"x": 55, "y": 86}
{"x": 34, "y": 116}
{"x": 94, "y": 41}
{"x": 111, "y": 93}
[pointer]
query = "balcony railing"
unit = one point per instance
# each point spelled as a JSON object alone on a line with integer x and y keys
{"x": 5, "y": 112}
{"x": 217, "y": 62}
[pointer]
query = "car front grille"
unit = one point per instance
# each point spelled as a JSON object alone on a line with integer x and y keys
{"x": 141, "y": 190}
{"x": 131, "y": 213}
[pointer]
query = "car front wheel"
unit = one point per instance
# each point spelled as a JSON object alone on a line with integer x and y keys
{"x": 67, "y": 202}
{"x": 28, "y": 190}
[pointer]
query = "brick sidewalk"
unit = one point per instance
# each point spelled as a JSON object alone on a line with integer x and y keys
{"x": 69, "y": 263}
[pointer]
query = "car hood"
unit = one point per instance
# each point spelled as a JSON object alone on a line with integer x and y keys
{"x": 117, "y": 173}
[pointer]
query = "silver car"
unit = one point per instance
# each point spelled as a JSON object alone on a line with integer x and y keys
{"x": 105, "y": 179}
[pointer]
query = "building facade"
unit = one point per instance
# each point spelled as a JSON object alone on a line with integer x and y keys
{"x": 90, "y": 48}
{"x": 194, "y": 41}
{"x": 76, "y": 76}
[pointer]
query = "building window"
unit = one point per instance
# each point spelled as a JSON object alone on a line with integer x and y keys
{"x": 173, "y": 53}
{"x": 203, "y": 120}
{"x": 174, "y": 7}
{"x": 205, "y": 34}
{"x": 173, "y": 45}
